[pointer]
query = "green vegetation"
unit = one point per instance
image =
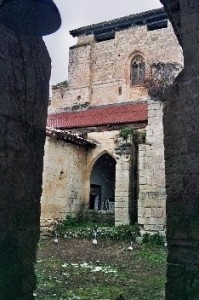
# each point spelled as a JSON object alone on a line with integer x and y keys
{"x": 155, "y": 239}
{"x": 137, "y": 137}
{"x": 126, "y": 132}
{"x": 143, "y": 136}
{"x": 161, "y": 77}
{"x": 61, "y": 84}
{"x": 74, "y": 269}
{"x": 73, "y": 227}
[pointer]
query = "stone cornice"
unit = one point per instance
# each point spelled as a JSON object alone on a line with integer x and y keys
{"x": 144, "y": 18}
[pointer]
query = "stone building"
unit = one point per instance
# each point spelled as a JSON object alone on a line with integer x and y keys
{"x": 104, "y": 145}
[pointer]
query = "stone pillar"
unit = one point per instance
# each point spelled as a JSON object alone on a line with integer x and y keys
{"x": 125, "y": 184}
{"x": 181, "y": 120}
{"x": 24, "y": 79}
{"x": 151, "y": 172}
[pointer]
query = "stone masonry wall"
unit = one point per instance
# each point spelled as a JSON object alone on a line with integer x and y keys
{"x": 151, "y": 169}
{"x": 66, "y": 175}
{"x": 63, "y": 192}
{"x": 99, "y": 72}
{"x": 24, "y": 84}
{"x": 66, "y": 182}
{"x": 63, "y": 180}
{"x": 181, "y": 119}
{"x": 125, "y": 185}
{"x": 105, "y": 144}
{"x": 124, "y": 153}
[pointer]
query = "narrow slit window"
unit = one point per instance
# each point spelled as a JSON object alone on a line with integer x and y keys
{"x": 137, "y": 70}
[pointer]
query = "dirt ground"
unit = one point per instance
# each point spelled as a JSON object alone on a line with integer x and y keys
{"x": 74, "y": 269}
{"x": 107, "y": 252}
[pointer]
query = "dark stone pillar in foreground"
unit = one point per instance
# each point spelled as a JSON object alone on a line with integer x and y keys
{"x": 24, "y": 78}
{"x": 181, "y": 129}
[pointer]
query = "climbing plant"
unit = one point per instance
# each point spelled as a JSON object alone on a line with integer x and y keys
{"x": 138, "y": 137}
{"x": 126, "y": 132}
{"x": 161, "y": 76}
{"x": 61, "y": 84}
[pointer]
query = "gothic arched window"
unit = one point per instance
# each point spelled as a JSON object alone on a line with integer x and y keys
{"x": 137, "y": 70}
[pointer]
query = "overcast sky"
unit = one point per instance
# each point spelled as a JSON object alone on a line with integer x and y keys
{"x": 77, "y": 13}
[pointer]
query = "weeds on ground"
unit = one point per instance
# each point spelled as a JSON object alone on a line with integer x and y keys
{"x": 71, "y": 227}
{"x": 103, "y": 272}
{"x": 153, "y": 239}
{"x": 137, "y": 275}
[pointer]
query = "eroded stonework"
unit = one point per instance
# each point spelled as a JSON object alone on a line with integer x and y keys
{"x": 181, "y": 158}
{"x": 108, "y": 69}
{"x": 152, "y": 193}
{"x": 25, "y": 73}
{"x": 98, "y": 70}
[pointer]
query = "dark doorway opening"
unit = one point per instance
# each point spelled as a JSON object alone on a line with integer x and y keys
{"x": 102, "y": 183}
{"x": 95, "y": 197}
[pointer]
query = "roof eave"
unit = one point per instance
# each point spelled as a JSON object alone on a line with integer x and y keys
{"x": 121, "y": 23}
{"x": 68, "y": 137}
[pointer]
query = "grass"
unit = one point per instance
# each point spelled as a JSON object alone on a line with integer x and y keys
{"x": 71, "y": 227}
{"x": 74, "y": 269}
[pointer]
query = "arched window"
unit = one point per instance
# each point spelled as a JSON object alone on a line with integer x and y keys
{"x": 137, "y": 70}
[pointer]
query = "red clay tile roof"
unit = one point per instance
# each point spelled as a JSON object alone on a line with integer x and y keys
{"x": 98, "y": 116}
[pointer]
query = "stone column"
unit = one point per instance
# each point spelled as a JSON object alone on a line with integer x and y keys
{"x": 181, "y": 122}
{"x": 24, "y": 79}
{"x": 151, "y": 172}
{"x": 125, "y": 184}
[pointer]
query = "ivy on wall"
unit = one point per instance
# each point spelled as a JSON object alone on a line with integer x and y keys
{"x": 60, "y": 84}
{"x": 160, "y": 78}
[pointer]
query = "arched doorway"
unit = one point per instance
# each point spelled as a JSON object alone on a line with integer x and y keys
{"x": 102, "y": 183}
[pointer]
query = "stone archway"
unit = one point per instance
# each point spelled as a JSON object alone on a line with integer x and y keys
{"x": 102, "y": 183}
